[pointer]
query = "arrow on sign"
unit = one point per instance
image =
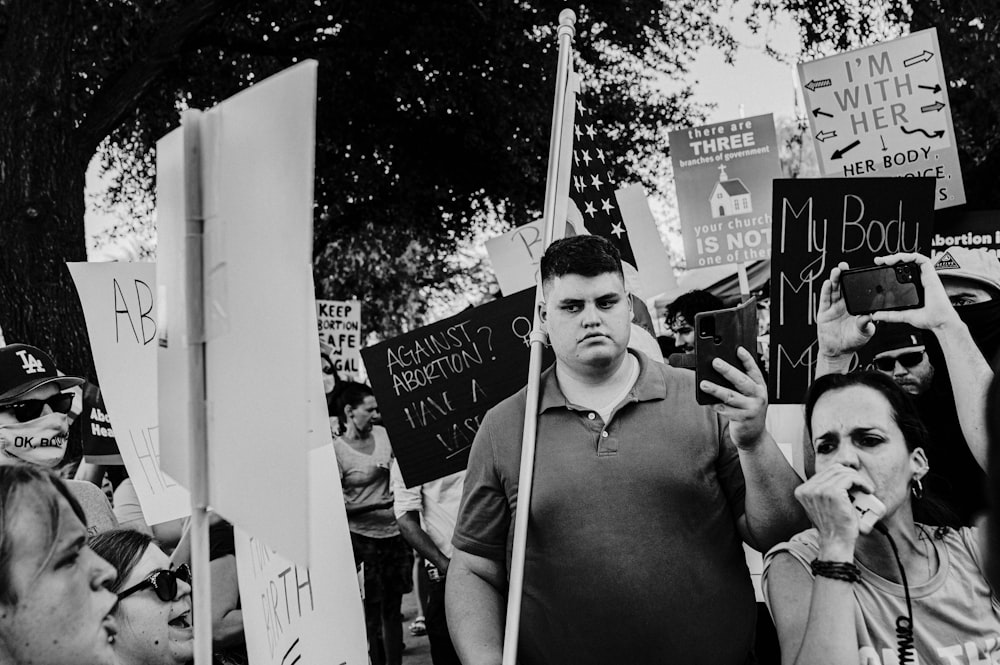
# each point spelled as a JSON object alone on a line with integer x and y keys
{"x": 936, "y": 89}
{"x": 821, "y": 83}
{"x": 884, "y": 148}
{"x": 923, "y": 57}
{"x": 837, "y": 154}
{"x": 931, "y": 135}
{"x": 818, "y": 112}
{"x": 824, "y": 135}
{"x": 936, "y": 106}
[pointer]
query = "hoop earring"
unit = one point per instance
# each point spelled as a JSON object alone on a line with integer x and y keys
{"x": 917, "y": 488}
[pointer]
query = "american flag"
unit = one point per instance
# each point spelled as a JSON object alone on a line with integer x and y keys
{"x": 592, "y": 188}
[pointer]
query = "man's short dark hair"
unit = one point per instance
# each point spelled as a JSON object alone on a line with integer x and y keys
{"x": 587, "y": 256}
{"x": 691, "y": 303}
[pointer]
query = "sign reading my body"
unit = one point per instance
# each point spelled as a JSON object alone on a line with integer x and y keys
{"x": 439, "y": 355}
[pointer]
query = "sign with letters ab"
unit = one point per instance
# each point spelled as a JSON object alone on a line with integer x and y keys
{"x": 883, "y": 110}
{"x": 817, "y": 224}
{"x": 435, "y": 384}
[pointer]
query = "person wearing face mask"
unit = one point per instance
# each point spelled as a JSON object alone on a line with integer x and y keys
{"x": 971, "y": 278}
{"x": 364, "y": 457}
{"x": 55, "y": 607}
{"x": 154, "y": 601}
{"x": 34, "y": 423}
{"x": 952, "y": 407}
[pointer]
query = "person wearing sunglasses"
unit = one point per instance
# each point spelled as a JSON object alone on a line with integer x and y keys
{"x": 34, "y": 423}
{"x": 943, "y": 370}
{"x": 155, "y": 625}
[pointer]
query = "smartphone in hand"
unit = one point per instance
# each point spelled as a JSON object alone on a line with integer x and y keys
{"x": 882, "y": 288}
{"x": 718, "y": 334}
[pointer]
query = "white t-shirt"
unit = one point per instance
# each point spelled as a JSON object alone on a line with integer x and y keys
{"x": 436, "y": 501}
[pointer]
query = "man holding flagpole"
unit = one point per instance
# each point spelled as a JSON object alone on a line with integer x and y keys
{"x": 641, "y": 497}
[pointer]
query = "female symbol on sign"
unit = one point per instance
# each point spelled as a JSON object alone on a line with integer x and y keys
{"x": 526, "y": 335}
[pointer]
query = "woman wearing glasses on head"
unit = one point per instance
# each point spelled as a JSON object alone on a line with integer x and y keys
{"x": 155, "y": 625}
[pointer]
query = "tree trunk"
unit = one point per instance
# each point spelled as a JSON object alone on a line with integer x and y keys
{"x": 42, "y": 175}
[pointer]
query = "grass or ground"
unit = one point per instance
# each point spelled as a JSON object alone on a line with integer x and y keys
{"x": 418, "y": 649}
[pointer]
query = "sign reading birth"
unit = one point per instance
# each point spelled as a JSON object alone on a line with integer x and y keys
{"x": 435, "y": 384}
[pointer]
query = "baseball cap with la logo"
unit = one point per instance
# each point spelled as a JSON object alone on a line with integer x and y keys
{"x": 23, "y": 368}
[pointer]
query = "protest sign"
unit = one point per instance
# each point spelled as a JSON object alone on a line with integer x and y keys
{"x": 297, "y": 614}
{"x": 723, "y": 173}
{"x": 339, "y": 325}
{"x": 119, "y": 305}
{"x": 817, "y": 224}
{"x": 515, "y": 256}
{"x": 883, "y": 110}
{"x": 435, "y": 384}
{"x": 99, "y": 445}
{"x": 972, "y": 229}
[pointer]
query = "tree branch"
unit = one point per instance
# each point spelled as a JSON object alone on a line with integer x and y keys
{"x": 121, "y": 93}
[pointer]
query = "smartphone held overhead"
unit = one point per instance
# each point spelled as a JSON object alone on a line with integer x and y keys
{"x": 882, "y": 288}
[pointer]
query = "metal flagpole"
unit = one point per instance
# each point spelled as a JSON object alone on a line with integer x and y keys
{"x": 565, "y": 34}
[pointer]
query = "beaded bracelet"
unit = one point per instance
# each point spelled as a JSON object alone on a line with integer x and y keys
{"x": 837, "y": 570}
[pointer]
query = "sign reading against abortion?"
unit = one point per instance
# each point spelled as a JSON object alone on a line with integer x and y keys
{"x": 435, "y": 384}
{"x": 883, "y": 111}
{"x": 723, "y": 173}
{"x": 817, "y": 224}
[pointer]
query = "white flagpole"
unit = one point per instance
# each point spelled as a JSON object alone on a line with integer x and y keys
{"x": 201, "y": 583}
{"x": 565, "y": 34}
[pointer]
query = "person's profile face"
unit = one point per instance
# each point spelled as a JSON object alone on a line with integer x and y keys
{"x": 154, "y": 632}
{"x": 587, "y": 319}
{"x": 63, "y": 611}
{"x": 365, "y": 415}
{"x": 683, "y": 333}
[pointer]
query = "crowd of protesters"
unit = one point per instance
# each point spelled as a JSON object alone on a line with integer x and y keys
{"x": 642, "y": 501}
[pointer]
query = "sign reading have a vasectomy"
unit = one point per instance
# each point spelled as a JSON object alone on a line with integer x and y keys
{"x": 723, "y": 174}
{"x": 883, "y": 110}
{"x": 435, "y": 384}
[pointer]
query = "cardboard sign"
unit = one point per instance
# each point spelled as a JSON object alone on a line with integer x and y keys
{"x": 723, "y": 174}
{"x": 435, "y": 384}
{"x": 119, "y": 305}
{"x": 973, "y": 229}
{"x": 817, "y": 224}
{"x": 515, "y": 254}
{"x": 99, "y": 444}
{"x": 339, "y": 325}
{"x": 308, "y": 615}
{"x": 883, "y": 110}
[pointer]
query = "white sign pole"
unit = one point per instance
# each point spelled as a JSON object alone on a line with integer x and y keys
{"x": 567, "y": 19}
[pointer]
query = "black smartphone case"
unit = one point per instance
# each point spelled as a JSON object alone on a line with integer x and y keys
{"x": 878, "y": 288}
{"x": 733, "y": 327}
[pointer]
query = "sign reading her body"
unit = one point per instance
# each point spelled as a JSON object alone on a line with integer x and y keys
{"x": 817, "y": 224}
{"x": 435, "y": 384}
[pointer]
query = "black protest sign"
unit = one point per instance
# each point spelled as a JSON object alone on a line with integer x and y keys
{"x": 818, "y": 223}
{"x": 99, "y": 444}
{"x": 435, "y": 384}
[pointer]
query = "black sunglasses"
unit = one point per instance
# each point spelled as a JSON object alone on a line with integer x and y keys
{"x": 164, "y": 583}
{"x": 32, "y": 408}
{"x": 905, "y": 359}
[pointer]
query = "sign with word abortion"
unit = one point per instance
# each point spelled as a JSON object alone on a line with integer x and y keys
{"x": 119, "y": 304}
{"x": 435, "y": 384}
{"x": 99, "y": 445}
{"x": 294, "y": 614}
{"x": 972, "y": 229}
{"x": 515, "y": 254}
{"x": 339, "y": 324}
{"x": 883, "y": 110}
{"x": 723, "y": 173}
{"x": 817, "y": 224}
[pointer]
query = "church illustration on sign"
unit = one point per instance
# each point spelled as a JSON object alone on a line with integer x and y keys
{"x": 729, "y": 197}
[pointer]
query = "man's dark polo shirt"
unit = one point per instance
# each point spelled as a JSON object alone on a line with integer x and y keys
{"x": 633, "y": 554}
